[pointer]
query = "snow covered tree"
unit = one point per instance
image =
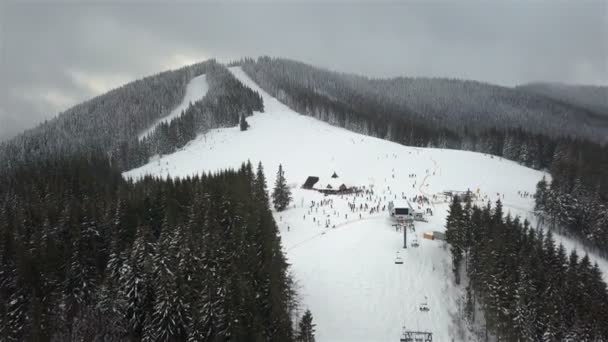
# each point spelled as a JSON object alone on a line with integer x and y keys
{"x": 170, "y": 314}
{"x": 541, "y": 195}
{"x": 281, "y": 195}
{"x": 243, "y": 124}
{"x": 306, "y": 328}
{"x": 260, "y": 190}
{"x": 136, "y": 285}
{"x": 454, "y": 234}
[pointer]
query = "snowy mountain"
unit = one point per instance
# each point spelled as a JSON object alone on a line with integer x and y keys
{"x": 459, "y": 107}
{"x": 183, "y": 137}
{"x": 343, "y": 258}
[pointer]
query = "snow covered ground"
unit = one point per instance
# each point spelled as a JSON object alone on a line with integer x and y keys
{"x": 342, "y": 252}
{"x": 195, "y": 90}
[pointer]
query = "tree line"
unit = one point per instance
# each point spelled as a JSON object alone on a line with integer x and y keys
{"x": 575, "y": 201}
{"x": 88, "y": 256}
{"x": 528, "y": 288}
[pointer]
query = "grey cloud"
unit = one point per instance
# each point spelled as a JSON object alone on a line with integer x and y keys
{"x": 52, "y": 54}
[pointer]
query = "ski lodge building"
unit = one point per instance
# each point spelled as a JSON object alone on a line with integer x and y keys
{"x": 332, "y": 186}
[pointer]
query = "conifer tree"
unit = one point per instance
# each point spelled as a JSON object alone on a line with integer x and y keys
{"x": 260, "y": 191}
{"x": 243, "y": 124}
{"x": 541, "y": 195}
{"x": 281, "y": 196}
{"x": 454, "y": 234}
{"x": 306, "y": 328}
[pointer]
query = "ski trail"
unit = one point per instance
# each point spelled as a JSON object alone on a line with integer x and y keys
{"x": 423, "y": 184}
{"x": 196, "y": 89}
{"x": 338, "y": 226}
{"x": 426, "y": 177}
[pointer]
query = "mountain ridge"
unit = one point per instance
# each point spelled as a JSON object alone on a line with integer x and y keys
{"x": 591, "y": 97}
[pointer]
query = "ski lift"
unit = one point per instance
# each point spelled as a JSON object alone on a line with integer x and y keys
{"x": 415, "y": 243}
{"x": 398, "y": 259}
{"x": 424, "y": 306}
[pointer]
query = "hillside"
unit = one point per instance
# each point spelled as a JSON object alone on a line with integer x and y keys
{"x": 154, "y": 115}
{"x": 347, "y": 275}
{"x": 459, "y": 107}
{"x": 530, "y": 129}
{"x": 593, "y": 98}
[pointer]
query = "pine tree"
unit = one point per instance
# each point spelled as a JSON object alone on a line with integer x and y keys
{"x": 243, "y": 124}
{"x": 541, "y": 195}
{"x": 136, "y": 285}
{"x": 170, "y": 316}
{"x": 454, "y": 235}
{"x": 306, "y": 328}
{"x": 260, "y": 191}
{"x": 281, "y": 196}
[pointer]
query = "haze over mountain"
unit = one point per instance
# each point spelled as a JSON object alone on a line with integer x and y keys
{"x": 593, "y": 98}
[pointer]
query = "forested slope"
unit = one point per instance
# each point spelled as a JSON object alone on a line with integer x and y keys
{"x": 528, "y": 288}
{"x": 88, "y": 256}
{"x": 593, "y": 98}
{"x": 460, "y": 105}
{"x": 111, "y": 122}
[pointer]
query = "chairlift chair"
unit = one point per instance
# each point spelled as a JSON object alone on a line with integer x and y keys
{"x": 415, "y": 243}
{"x": 398, "y": 259}
{"x": 424, "y": 306}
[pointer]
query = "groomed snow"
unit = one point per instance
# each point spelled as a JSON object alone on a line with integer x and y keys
{"x": 347, "y": 275}
{"x": 196, "y": 89}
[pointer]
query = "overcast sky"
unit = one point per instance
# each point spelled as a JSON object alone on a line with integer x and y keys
{"x": 56, "y": 54}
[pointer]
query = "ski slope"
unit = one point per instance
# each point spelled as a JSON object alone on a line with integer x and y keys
{"x": 343, "y": 259}
{"x": 196, "y": 89}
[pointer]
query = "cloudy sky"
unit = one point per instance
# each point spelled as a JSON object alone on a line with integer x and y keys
{"x": 56, "y": 54}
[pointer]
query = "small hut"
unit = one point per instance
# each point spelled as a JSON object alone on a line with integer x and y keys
{"x": 435, "y": 235}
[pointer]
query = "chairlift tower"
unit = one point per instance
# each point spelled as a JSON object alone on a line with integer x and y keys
{"x": 404, "y": 236}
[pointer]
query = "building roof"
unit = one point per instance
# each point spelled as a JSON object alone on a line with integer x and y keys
{"x": 310, "y": 182}
{"x": 401, "y": 203}
{"x": 329, "y": 183}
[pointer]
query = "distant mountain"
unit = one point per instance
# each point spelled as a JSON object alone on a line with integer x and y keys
{"x": 594, "y": 98}
{"x": 456, "y": 105}
{"x": 456, "y": 114}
